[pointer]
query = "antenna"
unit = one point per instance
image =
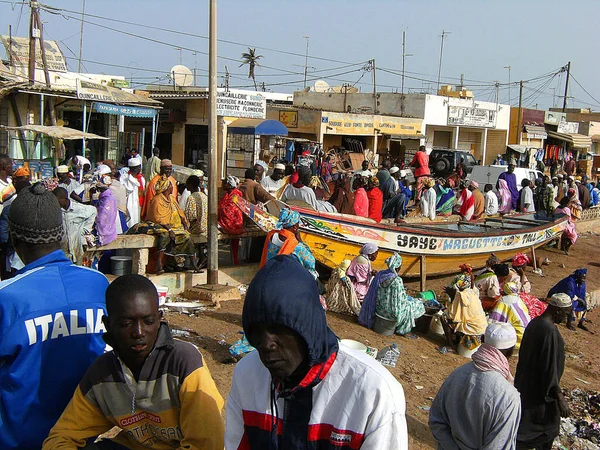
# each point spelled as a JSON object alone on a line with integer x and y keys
{"x": 404, "y": 55}
{"x": 508, "y": 67}
{"x": 181, "y": 75}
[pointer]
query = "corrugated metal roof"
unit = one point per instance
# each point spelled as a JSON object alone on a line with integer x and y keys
{"x": 538, "y": 131}
{"x": 576, "y": 140}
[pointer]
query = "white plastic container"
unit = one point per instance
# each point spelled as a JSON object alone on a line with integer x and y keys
{"x": 163, "y": 292}
{"x": 355, "y": 345}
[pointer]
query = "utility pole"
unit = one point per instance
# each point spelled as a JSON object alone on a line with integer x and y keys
{"x": 553, "y": 97}
{"x": 444, "y": 33}
{"x": 306, "y": 59}
{"x": 213, "y": 199}
{"x": 374, "y": 86}
{"x": 81, "y": 36}
{"x": 520, "y": 112}
{"x": 508, "y": 67}
{"x": 564, "y": 108}
{"x": 227, "y": 76}
{"x": 195, "y": 67}
{"x": 33, "y": 34}
{"x": 404, "y": 55}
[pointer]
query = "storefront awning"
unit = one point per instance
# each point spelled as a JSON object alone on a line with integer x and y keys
{"x": 402, "y": 137}
{"x": 517, "y": 148}
{"x": 257, "y": 127}
{"x": 535, "y": 132}
{"x": 596, "y": 138}
{"x": 63, "y": 133}
{"x": 576, "y": 140}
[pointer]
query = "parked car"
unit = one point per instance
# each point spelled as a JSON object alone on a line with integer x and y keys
{"x": 442, "y": 162}
{"x": 489, "y": 175}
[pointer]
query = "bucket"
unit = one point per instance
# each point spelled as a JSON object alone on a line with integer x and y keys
{"x": 162, "y": 294}
{"x": 422, "y": 324}
{"x": 436, "y": 324}
{"x": 121, "y": 265}
{"x": 383, "y": 326}
{"x": 428, "y": 295}
{"x": 463, "y": 351}
{"x": 354, "y": 345}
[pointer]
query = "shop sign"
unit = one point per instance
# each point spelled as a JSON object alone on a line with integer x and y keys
{"x": 471, "y": 117}
{"x": 19, "y": 51}
{"x": 245, "y": 104}
{"x": 368, "y": 125}
{"x": 129, "y": 111}
{"x": 289, "y": 118}
{"x": 117, "y": 83}
{"x": 554, "y": 118}
{"x": 93, "y": 91}
{"x": 568, "y": 127}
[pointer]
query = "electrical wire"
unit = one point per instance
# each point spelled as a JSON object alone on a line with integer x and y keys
{"x": 583, "y": 89}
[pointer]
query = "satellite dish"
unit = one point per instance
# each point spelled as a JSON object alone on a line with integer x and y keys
{"x": 337, "y": 89}
{"x": 352, "y": 90}
{"x": 321, "y": 86}
{"x": 181, "y": 75}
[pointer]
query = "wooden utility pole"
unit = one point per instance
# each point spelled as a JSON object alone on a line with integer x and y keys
{"x": 564, "y": 109}
{"x": 81, "y": 36}
{"x": 520, "y": 113}
{"x": 306, "y": 59}
{"x": 32, "y": 37}
{"x": 443, "y": 36}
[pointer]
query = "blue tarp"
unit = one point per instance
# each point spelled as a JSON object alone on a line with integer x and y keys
{"x": 257, "y": 127}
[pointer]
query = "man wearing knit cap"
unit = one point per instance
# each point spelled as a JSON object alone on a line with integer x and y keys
{"x": 540, "y": 368}
{"x": 73, "y": 187}
{"x": 301, "y": 389}
{"x": 50, "y": 323}
{"x": 166, "y": 168}
{"x": 477, "y": 406}
{"x": 272, "y": 183}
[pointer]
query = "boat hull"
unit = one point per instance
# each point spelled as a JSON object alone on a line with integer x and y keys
{"x": 332, "y": 240}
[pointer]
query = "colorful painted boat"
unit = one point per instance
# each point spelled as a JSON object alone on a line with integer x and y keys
{"x": 444, "y": 246}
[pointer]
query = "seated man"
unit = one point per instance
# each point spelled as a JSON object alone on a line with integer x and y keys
{"x": 300, "y": 191}
{"x": 300, "y": 389}
{"x": 575, "y": 287}
{"x": 487, "y": 282}
{"x": 487, "y": 413}
{"x": 511, "y": 309}
{"x": 157, "y": 389}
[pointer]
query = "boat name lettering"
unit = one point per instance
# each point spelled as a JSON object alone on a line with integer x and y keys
{"x": 422, "y": 243}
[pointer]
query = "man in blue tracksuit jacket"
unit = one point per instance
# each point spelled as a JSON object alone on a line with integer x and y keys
{"x": 50, "y": 323}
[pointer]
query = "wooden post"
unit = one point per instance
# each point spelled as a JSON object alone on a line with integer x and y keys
{"x": 534, "y": 258}
{"x": 423, "y": 260}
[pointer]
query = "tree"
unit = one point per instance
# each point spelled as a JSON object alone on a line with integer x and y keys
{"x": 251, "y": 58}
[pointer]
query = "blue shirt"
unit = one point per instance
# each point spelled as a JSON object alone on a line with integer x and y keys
{"x": 50, "y": 333}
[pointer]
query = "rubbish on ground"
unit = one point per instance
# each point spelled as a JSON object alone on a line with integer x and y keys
{"x": 583, "y": 381}
{"x": 582, "y": 429}
{"x": 222, "y": 342}
{"x": 411, "y": 336}
{"x": 372, "y": 352}
{"x": 242, "y": 289}
{"x": 185, "y": 307}
{"x": 180, "y": 333}
{"x": 419, "y": 388}
{"x": 443, "y": 350}
{"x": 424, "y": 408}
{"x": 241, "y": 346}
{"x": 388, "y": 356}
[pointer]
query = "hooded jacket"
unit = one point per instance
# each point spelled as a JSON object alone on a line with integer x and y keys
{"x": 347, "y": 400}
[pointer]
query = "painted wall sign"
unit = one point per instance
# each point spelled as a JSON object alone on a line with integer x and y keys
{"x": 289, "y": 118}
{"x": 471, "y": 117}
{"x": 93, "y": 91}
{"x": 246, "y": 104}
{"x": 129, "y": 111}
{"x": 368, "y": 125}
{"x": 19, "y": 49}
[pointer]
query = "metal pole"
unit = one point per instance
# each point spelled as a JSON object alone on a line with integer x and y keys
{"x": 508, "y": 67}
{"x": 566, "y": 87}
{"x": 81, "y": 36}
{"x": 374, "y": 87}
{"x": 10, "y": 54}
{"x": 444, "y": 33}
{"x": 306, "y": 59}
{"x": 213, "y": 243}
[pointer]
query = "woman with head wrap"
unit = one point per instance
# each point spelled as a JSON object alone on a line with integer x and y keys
{"x": 391, "y": 300}
{"x": 516, "y": 275}
{"x": 466, "y": 204}
{"x": 375, "y": 197}
{"x": 231, "y": 218}
{"x": 504, "y": 197}
{"x": 300, "y": 192}
{"x": 574, "y": 204}
{"x": 361, "y": 200}
{"x": 488, "y": 284}
{"x": 340, "y": 295}
{"x": 166, "y": 221}
{"x": 511, "y": 309}
{"x": 286, "y": 240}
{"x": 107, "y": 217}
{"x": 569, "y": 236}
{"x": 428, "y": 199}
{"x": 445, "y": 197}
{"x": 464, "y": 322}
{"x": 360, "y": 271}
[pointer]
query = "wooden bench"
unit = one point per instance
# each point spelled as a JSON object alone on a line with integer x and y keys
{"x": 140, "y": 244}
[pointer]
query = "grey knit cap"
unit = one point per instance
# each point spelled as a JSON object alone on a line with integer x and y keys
{"x": 35, "y": 216}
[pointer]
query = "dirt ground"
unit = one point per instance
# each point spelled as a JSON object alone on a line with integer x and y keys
{"x": 421, "y": 368}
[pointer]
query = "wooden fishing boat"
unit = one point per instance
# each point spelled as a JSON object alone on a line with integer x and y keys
{"x": 434, "y": 248}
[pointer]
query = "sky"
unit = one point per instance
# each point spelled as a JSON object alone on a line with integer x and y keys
{"x": 534, "y": 37}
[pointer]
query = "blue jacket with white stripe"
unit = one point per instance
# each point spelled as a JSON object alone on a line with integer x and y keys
{"x": 50, "y": 333}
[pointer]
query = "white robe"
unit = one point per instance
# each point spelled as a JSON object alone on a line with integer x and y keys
{"x": 428, "y": 203}
{"x": 131, "y": 185}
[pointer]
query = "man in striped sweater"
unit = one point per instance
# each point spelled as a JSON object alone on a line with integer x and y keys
{"x": 157, "y": 389}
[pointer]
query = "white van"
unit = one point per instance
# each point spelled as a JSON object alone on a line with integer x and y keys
{"x": 489, "y": 175}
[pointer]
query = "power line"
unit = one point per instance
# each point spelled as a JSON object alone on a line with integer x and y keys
{"x": 584, "y": 89}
